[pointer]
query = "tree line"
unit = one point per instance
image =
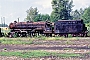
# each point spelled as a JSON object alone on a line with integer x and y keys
{"x": 62, "y": 10}
{"x": 3, "y": 25}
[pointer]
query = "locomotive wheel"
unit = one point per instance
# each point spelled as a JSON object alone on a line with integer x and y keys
{"x": 11, "y": 35}
{"x": 74, "y": 35}
{"x": 46, "y": 35}
{"x": 61, "y": 35}
{"x": 34, "y": 34}
{"x": 30, "y": 34}
{"x": 17, "y": 34}
{"x": 82, "y": 35}
{"x": 86, "y": 35}
{"x": 23, "y": 34}
{"x": 50, "y": 34}
{"x": 65, "y": 35}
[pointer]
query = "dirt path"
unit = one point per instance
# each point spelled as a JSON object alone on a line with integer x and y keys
{"x": 51, "y": 45}
{"x": 43, "y": 47}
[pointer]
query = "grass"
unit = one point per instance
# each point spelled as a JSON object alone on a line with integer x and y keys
{"x": 67, "y": 48}
{"x": 67, "y": 55}
{"x": 56, "y": 38}
{"x": 37, "y": 54}
{"x": 28, "y": 40}
{"x": 14, "y": 41}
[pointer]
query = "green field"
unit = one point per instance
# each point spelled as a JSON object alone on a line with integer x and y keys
{"x": 28, "y": 40}
{"x": 38, "y": 54}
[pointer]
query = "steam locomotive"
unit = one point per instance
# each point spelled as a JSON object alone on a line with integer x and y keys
{"x": 60, "y": 27}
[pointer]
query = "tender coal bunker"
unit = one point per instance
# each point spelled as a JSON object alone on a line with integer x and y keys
{"x": 75, "y": 27}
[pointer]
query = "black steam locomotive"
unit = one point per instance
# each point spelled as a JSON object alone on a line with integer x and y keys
{"x": 60, "y": 27}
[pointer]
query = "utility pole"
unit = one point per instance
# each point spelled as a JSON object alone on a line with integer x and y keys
{"x": 4, "y": 21}
{"x": 1, "y": 22}
{"x": 18, "y": 19}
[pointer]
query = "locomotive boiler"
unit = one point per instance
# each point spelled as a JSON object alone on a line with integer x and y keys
{"x": 30, "y": 28}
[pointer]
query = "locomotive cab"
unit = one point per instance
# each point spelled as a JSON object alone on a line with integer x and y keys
{"x": 48, "y": 27}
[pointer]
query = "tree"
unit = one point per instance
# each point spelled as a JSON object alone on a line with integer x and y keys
{"x": 45, "y": 17}
{"x": 3, "y": 25}
{"x": 61, "y": 9}
{"x": 77, "y": 14}
{"x": 37, "y": 18}
{"x": 81, "y": 11}
{"x": 31, "y": 14}
{"x": 86, "y": 15}
{"x": 42, "y": 17}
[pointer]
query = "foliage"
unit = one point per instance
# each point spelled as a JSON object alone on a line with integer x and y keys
{"x": 61, "y": 9}
{"x": 88, "y": 25}
{"x": 15, "y": 35}
{"x": 37, "y": 54}
{"x": 40, "y": 37}
{"x": 31, "y": 14}
{"x": 77, "y": 14}
{"x": 15, "y": 41}
{"x": 88, "y": 28}
{"x": 3, "y": 25}
{"x": 42, "y": 17}
{"x": 67, "y": 55}
{"x": 86, "y": 15}
{"x": 5, "y": 30}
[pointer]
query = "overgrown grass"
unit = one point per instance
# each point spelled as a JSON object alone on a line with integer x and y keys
{"x": 28, "y": 40}
{"x": 37, "y": 54}
{"x": 88, "y": 28}
{"x": 40, "y": 37}
{"x": 67, "y": 55}
{"x": 15, "y": 41}
{"x": 56, "y": 38}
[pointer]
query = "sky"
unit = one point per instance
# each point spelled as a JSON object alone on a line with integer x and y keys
{"x": 11, "y": 10}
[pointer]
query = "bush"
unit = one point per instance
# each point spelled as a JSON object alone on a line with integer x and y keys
{"x": 88, "y": 28}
